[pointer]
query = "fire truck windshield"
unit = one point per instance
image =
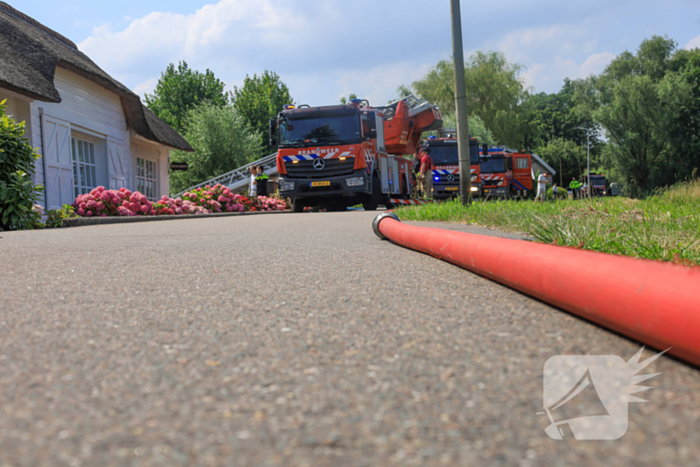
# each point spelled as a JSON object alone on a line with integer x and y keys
{"x": 444, "y": 155}
{"x": 493, "y": 165}
{"x": 449, "y": 154}
{"x": 328, "y": 130}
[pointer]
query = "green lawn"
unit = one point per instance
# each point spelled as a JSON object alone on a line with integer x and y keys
{"x": 664, "y": 227}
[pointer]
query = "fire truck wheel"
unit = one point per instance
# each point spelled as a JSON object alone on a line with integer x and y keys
{"x": 372, "y": 202}
{"x": 297, "y": 205}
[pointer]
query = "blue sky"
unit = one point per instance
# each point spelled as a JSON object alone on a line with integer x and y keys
{"x": 324, "y": 49}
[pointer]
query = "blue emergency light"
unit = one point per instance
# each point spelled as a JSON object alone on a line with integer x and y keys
{"x": 437, "y": 179}
{"x": 356, "y": 101}
{"x": 431, "y": 137}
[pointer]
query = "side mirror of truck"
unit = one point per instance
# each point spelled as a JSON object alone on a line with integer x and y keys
{"x": 273, "y": 132}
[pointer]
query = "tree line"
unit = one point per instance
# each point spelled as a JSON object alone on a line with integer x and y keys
{"x": 226, "y": 129}
{"x": 643, "y": 111}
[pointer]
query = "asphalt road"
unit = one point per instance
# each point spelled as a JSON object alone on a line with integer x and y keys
{"x": 297, "y": 339}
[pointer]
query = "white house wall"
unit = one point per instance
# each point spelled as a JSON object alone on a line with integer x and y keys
{"x": 89, "y": 108}
{"x": 156, "y": 153}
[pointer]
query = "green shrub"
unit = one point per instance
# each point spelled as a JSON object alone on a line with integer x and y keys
{"x": 18, "y": 194}
{"x": 54, "y": 218}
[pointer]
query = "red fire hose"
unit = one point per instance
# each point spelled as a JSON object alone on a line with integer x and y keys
{"x": 655, "y": 303}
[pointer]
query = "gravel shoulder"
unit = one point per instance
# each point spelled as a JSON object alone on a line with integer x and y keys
{"x": 291, "y": 340}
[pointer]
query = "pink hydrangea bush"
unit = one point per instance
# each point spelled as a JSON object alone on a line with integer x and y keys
{"x": 101, "y": 202}
{"x": 266, "y": 203}
{"x": 216, "y": 199}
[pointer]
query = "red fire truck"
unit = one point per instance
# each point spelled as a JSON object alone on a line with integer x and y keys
{"x": 505, "y": 173}
{"x": 445, "y": 154}
{"x": 342, "y": 155}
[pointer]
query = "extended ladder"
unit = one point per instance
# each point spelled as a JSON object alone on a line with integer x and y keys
{"x": 238, "y": 180}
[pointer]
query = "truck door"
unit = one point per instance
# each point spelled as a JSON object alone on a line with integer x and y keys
{"x": 395, "y": 176}
{"x": 384, "y": 167}
{"x": 522, "y": 173}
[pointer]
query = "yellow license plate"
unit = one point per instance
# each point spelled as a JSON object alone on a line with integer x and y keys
{"x": 315, "y": 184}
{"x": 452, "y": 188}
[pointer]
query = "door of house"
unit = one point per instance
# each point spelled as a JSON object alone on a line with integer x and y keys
{"x": 58, "y": 163}
{"x": 118, "y": 162}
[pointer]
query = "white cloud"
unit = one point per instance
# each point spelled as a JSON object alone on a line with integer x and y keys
{"x": 693, "y": 44}
{"x": 550, "y": 76}
{"x": 146, "y": 87}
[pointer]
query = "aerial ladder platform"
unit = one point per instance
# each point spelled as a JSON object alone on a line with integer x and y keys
{"x": 238, "y": 180}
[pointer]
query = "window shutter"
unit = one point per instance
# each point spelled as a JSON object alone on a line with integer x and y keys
{"x": 58, "y": 163}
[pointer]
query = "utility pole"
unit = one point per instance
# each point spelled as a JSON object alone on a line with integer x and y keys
{"x": 465, "y": 166}
{"x": 588, "y": 146}
{"x": 588, "y": 181}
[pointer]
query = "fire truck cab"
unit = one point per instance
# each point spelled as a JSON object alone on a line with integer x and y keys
{"x": 341, "y": 155}
{"x": 505, "y": 173}
{"x": 445, "y": 154}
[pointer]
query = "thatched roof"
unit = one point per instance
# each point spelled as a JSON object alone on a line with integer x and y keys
{"x": 29, "y": 55}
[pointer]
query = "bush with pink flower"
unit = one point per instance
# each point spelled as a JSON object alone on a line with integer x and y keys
{"x": 101, "y": 202}
{"x": 216, "y": 199}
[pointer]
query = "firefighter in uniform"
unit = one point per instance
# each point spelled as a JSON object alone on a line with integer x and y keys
{"x": 415, "y": 174}
{"x": 426, "y": 173}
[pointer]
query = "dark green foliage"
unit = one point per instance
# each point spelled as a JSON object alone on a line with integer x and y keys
{"x": 644, "y": 101}
{"x": 260, "y": 99}
{"x": 182, "y": 89}
{"x": 54, "y": 218}
{"x": 222, "y": 141}
{"x": 18, "y": 194}
{"x": 557, "y": 115}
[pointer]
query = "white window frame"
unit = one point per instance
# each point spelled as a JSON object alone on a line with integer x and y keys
{"x": 84, "y": 167}
{"x": 147, "y": 177}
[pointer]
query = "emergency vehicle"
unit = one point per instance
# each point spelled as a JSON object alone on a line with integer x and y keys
{"x": 337, "y": 156}
{"x": 599, "y": 185}
{"x": 505, "y": 173}
{"x": 445, "y": 154}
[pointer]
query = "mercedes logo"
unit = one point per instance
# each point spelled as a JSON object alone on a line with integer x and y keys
{"x": 319, "y": 164}
{"x": 450, "y": 178}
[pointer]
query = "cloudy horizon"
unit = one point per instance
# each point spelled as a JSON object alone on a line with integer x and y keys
{"x": 325, "y": 50}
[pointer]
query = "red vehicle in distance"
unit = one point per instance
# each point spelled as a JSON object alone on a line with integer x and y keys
{"x": 506, "y": 174}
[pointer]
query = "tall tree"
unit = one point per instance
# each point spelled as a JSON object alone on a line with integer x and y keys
{"x": 260, "y": 99}
{"x": 495, "y": 93}
{"x": 181, "y": 89}
{"x": 639, "y": 100}
{"x": 685, "y": 138}
{"x": 557, "y": 116}
{"x": 567, "y": 157}
{"x": 222, "y": 141}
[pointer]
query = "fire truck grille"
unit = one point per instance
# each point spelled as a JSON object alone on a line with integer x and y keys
{"x": 333, "y": 168}
{"x": 445, "y": 179}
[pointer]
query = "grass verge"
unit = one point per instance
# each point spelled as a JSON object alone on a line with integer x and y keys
{"x": 663, "y": 227}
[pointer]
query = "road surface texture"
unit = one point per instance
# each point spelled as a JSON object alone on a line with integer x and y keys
{"x": 293, "y": 340}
